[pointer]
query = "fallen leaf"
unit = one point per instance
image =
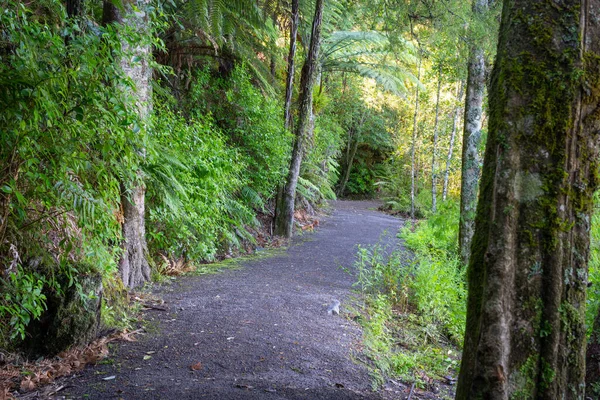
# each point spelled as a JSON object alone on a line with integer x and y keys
{"x": 196, "y": 367}
{"x": 27, "y": 385}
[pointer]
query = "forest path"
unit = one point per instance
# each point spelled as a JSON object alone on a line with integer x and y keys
{"x": 258, "y": 332}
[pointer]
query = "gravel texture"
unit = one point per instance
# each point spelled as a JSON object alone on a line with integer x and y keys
{"x": 258, "y": 332}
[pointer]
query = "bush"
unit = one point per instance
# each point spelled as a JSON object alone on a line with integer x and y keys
{"x": 65, "y": 147}
{"x": 593, "y": 294}
{"x": 250, "y": 121}
{"x": 416, "y": 303}
{"x": 196, "y": 187}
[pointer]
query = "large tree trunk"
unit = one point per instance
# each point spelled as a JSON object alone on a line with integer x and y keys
{"x": 452, "y": 139}
{"x": 527, "y": 276}
{"x": 284, "y": 218}
{"x": 413, "y": 144}
{"x": 435, "y": 139}
{"x": 133, "y": 265}
{"x": 289, "y": 83}
{"x": 471, "y": 141}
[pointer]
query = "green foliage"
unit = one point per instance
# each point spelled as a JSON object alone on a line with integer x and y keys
{"x": 21, "y": 302}
{"x": 319, "y": 170}
{"x": 66, "y": 145}
{"x": 438, "y": 284}
{"x": 208, "y": 208}
{"x": 593, "y": 293}
{"x": 250, "y": 121}
{"x": 413, "y": 307}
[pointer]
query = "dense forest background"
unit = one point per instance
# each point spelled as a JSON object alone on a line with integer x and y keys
{"x": 142, "y": 138}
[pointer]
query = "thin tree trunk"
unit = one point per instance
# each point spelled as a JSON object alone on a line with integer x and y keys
{"x": 413, "y": 145}
{"x": 527, "y": 275}
{"x": 435, "y": 139}
{"x": 351, "y": 148}
{"x": 452, "y": 138}
{"x": 273, "y": 64}
{"x": 289, "y": 83}
{"x": 349, "y": 163}
{"x": 471, "y": 141}
{"x": 133, "y": 265}
{"x": 74, "y": 8}
{"x": 284, "y": 219}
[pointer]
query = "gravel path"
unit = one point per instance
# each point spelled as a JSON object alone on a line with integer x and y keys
{"x": 258, "y": 332}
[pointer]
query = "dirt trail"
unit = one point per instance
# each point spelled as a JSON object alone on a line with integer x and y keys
{"x": 259, "y": 332}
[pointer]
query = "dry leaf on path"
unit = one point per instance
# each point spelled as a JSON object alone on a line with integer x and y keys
{"x": 196, "y": 367}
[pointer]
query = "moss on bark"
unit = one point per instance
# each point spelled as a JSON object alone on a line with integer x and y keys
{"x": 528, "y": 270}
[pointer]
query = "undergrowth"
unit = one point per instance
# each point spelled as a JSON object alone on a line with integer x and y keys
{"x": 415, "y": 302}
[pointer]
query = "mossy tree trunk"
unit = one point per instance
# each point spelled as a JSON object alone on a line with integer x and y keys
{"x": 133, "y": 265}
{"x": 459, "y": 97}
{"x": 471, "y": 140}
{"x": 284, "y": 216}
{"x": 527, "y": 275}
{"x": 435, "y": 139}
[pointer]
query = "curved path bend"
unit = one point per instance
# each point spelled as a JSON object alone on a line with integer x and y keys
{"x": 258, "y": 332}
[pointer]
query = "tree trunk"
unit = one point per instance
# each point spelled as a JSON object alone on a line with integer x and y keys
{"x": 471, "y": 141}
{"x": 349, "y": 162}
{"x": 133, "y": 265}
{"x": 273, "y": 63}
{"x": 435, "y": 138}
{"x": 74, "y": 8}
{"x": 527, "y": 276}
{"x": 289, "y": 83}
{"x": 284, "y": 219}
{"x": 452, "y": 138}
{"x": 413, "y": 145}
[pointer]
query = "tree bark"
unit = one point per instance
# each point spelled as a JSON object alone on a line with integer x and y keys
{"x": 349, "y": 163}
{"x": 435, "y": 139}
{"x": 289, "y": 83}
{"x": 74, "y": 8}
{"x": 273, "y": 63}
{"x": 284, "y": 218}
{"x": 471, "y": 141}
{"x": 413, "y": 144}
{"x": 133, "y": 265}
{"x": 452, "y": 139}
{"x": 527, "y": 275}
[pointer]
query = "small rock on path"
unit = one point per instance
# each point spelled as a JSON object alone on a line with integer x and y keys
{"x": 259, "y": 332}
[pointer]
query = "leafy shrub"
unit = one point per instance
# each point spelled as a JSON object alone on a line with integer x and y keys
{"x": 250, "y": 121}
{"x": 438, "y": 282}
{"x": 206, "y": 209}
{"x": 593, "y": 294}
{"x": 417, "y": 302}
{"x": 319, "y": 170}
{"x": 66, "y": 145}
